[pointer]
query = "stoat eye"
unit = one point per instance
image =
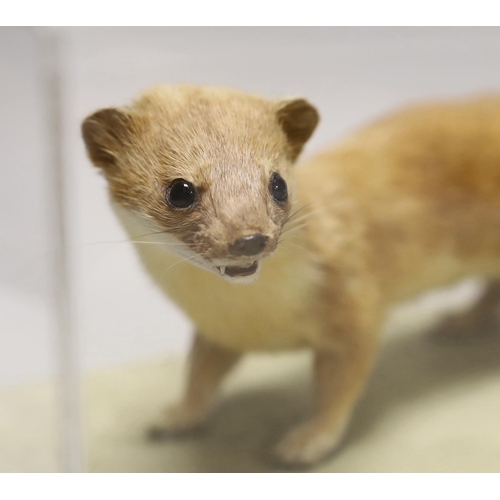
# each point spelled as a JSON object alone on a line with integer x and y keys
{"x": 278, "y": 188}
{"x": 181, "y": 194}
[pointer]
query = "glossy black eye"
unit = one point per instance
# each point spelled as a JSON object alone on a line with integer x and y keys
{"x": 181, "y": 194}
{"x": 278, "y": 188}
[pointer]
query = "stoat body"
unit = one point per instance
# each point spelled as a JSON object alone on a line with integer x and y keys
{"x": 406, "y": 204}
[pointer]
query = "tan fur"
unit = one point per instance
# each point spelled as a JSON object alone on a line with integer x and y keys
{"x": 406, "y": 204}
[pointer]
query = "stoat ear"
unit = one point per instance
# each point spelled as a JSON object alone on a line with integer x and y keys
{"x": 105, "y": 133}
{"x": 298, "y": 120}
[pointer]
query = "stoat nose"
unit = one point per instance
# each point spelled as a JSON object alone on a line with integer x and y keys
{"x": 249, "y": 245}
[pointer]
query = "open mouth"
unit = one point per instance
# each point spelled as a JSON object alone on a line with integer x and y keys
{"x": 236, "y": 271}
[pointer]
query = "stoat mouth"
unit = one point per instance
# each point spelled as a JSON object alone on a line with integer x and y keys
{"x": 236, "y": 271}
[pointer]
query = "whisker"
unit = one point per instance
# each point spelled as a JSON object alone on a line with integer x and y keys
{"x": 286, "y": 247}
{"x": 296, "y": 212}
{"x": 302, "y": 248}
{"x": 310, "y": 214}
{"x": 337, "y": 203}
{"x": 288, "y": 238}
{"x": 192, "y": 257}
{"x": 294, "y": 228}
{"x": 151, "y": 234}
{"x": 283, "y": 247}
{"x": 134, "y": 241}
{"x": 158, "y": 243}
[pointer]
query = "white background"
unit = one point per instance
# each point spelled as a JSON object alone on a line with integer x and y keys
{"x": 351, "y": 74}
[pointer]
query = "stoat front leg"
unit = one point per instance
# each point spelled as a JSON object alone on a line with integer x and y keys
{"x": 339, "y": 378}
{"x": 209, "y": 363}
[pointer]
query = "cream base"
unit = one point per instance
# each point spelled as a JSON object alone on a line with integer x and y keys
{"x": 427, "y": 408}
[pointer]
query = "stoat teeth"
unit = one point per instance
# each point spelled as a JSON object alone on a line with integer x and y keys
{"x": 222, "y": 270}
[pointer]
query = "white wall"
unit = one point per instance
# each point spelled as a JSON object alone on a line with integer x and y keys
{"x": 351, "y": 74}
{"x": 25, "y": 340}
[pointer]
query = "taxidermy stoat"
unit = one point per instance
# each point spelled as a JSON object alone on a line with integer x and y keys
{"x": 323, "y": 249}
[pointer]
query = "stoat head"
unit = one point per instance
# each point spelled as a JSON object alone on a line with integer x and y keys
{"x": 209, "y": 168}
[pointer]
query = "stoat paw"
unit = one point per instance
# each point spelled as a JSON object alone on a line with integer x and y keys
{"x": 177, "y": 421}
{"x": 306, "y": 445}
